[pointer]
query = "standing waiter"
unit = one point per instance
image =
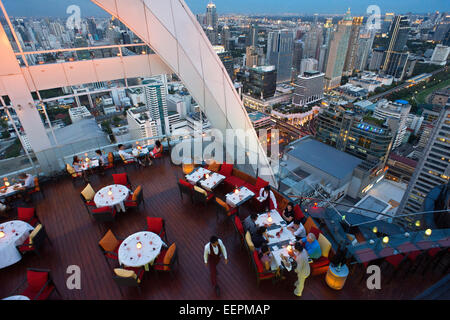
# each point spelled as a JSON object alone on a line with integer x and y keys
{"x": 214, "y": 249}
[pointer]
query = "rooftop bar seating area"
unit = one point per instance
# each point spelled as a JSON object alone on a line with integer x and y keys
{"x": 137, "y": 231}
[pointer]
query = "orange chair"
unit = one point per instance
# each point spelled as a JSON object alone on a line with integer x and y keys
{"x": 165, "y": 262}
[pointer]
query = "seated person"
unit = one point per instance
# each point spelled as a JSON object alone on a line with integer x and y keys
{"x": 297, "y": 228}
{"x": 27, "y": 180}
{"x": 77, "y": 163}
{"x": 127, "y": 156}
{"x": 288, "y": 213}
{"x": 312, "y": 246}
{"x": 266, "y": 257}
{"x": 267, "y": 198}
{"x": 157, "y": 149}
{"x": 102, "y": 159}
{"x": 261, "y": 237}
{"x": 250, "y": 223}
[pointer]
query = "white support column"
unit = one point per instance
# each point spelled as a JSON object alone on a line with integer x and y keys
{"x": 16, "y": 87}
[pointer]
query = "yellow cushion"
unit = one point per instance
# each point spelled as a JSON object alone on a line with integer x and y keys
{"x": 309, "y": 224}
{"x": 169, "y": 255}
{"x": 198, "y": 189}
{"x": 109, "y": 241}
{"x": 214, "y": 166}
{"x": 110, "y": 158}
{"x": 70, "y": 169}
{"x": 325, "y": 245}
{"x": 136, "y": 193}
{"x": 248, "y": 239}
{"x": 223, "y": 204}
{"x": 88, "y": 193}
{"x": 124, "y": 273}
{"x": 35, "y": 232}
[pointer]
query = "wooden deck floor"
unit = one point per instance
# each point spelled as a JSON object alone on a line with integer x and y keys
{"x": 75, "y": 236}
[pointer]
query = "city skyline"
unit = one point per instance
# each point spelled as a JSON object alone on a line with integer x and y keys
{"x": 57, "y": 8}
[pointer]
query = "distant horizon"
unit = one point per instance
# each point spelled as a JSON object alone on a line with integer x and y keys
{"x": 57, "y": 8}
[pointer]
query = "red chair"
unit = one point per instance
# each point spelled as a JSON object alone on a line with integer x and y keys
{"x": 261, "y": 274}
{"x": 136, "y": 198}
{"x": 39, "y": 285}
{"x": 395, "y": 261}
{"x": 239, "y": 228}
{"x": 165, "y": 262}
{"x": 28, "y": 215}
{"x": 186, "y": 188}
{"x": 157, "y": 225}
{"x": 298, "y": 214}
{"x": 109, "y": 245}
{"x": 122, "y": 178}
{"x": 105, "y": 214}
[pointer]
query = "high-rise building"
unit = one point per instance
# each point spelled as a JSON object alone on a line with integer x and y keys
{"x": 365, "y": 43}
{"x": 353, "y": 42}
{"x": 226, "y": 58}
{"x": 280, "y": 45}
{"x": 363, "y": 137}
{"x": 337, "y": 52}
{"x": 376, "y": 59}
{"x": 396, "y": 57}
{"x": 440, "y": 55}
{"x": 211, "y": 15}
{"x": 395, "y": 114}
{"x": 433, "y": 168}
{"x": 140, "y": 123}
{"x": 155, "y": 95}
{"x": 226, "y": 35}
{"x": 211, "y": 33}
{"x": 308, "y": 65}
{"x": 312, "y": 41}
{"x": 254, "y": 56}
{"x": 308, "y": 88}
{"x": 262, "y": 82}
{"x": 297, "y": 57}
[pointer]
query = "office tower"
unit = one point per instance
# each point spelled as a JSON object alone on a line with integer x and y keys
{"x": 308, "y": 88}
{"x": 140, "y": 123}
{"x": 312, "y": 42}
{"x": 352, "y": 51}
{"x": 376, "y": 59}
{"x": 226, "y": 35}
{"x": 211, "y": 15}
{"x": 430, "y": 116}
{"x": 337, "y": 52}
{"x": 365, "y": 43}
{"x": 308, "y": 65}
{"x": 360, "y": 136}
{"x": 297, "y": 56}
{"x": 262, "y": 82}
{"x": 280, "y": 45}
{"x": 386, "y": 23}
{"x": 226, "y": 59}
{"x": 324, "y": 48}
{"x": 396, "y": 57}
{"x": 254, "y": 56}
{"x": 212, "y": 35}
{"x": 155, "y": 95}
{"x": 440, "y": 55}
{"x": 253, "y": 35}
{"x": 433, "y": 168}
{"x": 440, "y": 31}
{"x": 395, "y": 114}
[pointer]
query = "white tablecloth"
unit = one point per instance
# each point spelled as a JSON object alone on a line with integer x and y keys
{"x": 213, "y": 180}
{"x": 197, "y": 175}
{"x": 244, "y": 194}
{"x": 119, "y": 194}
{"x": 90, "y": 165}
{"x": 131, "y": 256}
{"x": 274, "y": 215}
{"x": 10, "y": 190}
{"x": 136, "y": 152}
{"x": 17, "y": 297}
{"x": 15, "y": 233}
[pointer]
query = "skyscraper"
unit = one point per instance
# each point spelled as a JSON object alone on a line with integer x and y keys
{"x": 433, "y": 168}
{"x": 396, "y": 56}
{"x": 280, "y": 46}
{"x": 155, "y": 95}
{"x": 337, "y": 52}
{"x": 297, "y": 56}
{"x": 211, "y": 15}
{"x": 353, "y": 42}
{"x": 365, "y": 43}
{"x": 312, "y": 42}
{"x": 261, "y": 82}
{"x": 308, "y": 88}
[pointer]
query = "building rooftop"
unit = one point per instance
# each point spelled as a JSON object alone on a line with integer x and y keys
{"x": 324, "y": 157}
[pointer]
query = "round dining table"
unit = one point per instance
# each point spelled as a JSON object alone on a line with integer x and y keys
{"x": 140, "y": 249}
{"x": 17, "y": 297}
{"x": 112, "y": 196}
{"x": 12, "y": 234}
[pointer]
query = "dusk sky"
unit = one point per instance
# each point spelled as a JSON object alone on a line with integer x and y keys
{"x": 58, "y": 7}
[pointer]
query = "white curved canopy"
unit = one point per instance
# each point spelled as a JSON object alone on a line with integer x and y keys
{"x": 172, "y": 31}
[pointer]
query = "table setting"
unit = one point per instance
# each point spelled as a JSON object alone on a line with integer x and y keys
{"x": 211, "y": 181}
{"x": 195, "y": 176}
{"x": 12, "y": 234}
{"x": 112, "y": 196}
{"x": 140, "y": 249}
{"x": 239, "y": 196}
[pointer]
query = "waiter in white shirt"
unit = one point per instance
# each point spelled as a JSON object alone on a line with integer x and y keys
{"x": 267, "y": 198}
{"x": 214, "y": 249}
